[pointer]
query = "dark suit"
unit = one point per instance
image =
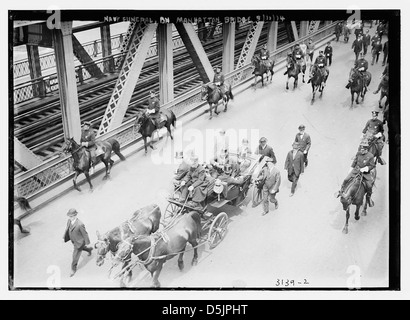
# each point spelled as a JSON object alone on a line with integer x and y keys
{"x": 267, "y": 152}
{"x": 366, "y": 42}
{"x": 294, "y": 166}
{"x": 79, "y": 237}
{"x": 195, "y": 177}
{"x": 304, "y": 144}
{"x": 270, "y": 187}
{"x": 357, "y": 46}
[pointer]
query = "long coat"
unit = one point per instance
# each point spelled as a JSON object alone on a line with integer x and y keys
{"x": 267, "y": 152}
{"x": 273, "y": 178}
{"x": 304, "y": 143}
{"x": 77, "y": 234}
{"x": 196, "y": 177}
{"x": 296, "y": 165}
{"x": 89, "y": 137}
{"x": 357, "y": 45}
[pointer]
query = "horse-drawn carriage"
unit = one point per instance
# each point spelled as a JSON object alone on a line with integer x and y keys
{"x": 181, "y": 223}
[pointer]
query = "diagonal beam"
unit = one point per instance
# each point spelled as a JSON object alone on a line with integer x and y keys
{"x": 313, "y": 26}
{"x": 85, "y": 59}
{"x": 195, "y": 50}
{"x": 24, "y": 156}
{"x": 249, "y": 47}
{"x": 126, "y": 43}
{"x": 128, "y": 77}
{"x": 228, "y": 53}
{"x": 294, "y": 30}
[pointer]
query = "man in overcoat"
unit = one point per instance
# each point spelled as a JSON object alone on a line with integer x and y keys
{"x": 294, "y": 165}
{"x": 272, "y": 177}
{"x": 304, "y": 141}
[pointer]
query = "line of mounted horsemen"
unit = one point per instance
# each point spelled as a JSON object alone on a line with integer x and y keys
{"x": 142, "y": 235}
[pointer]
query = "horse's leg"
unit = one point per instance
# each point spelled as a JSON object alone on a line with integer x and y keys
{"x": 155, "y": 274}
{"x": 87, "y": 175}
{"x": 127, "y": 279}
{"x": 357, "y": 98}
{"x": 145, "y": 144}
{"x": 295, "y": 83}
{"x": 287, "y": 84}
{"x": 356, "y": 214}
{"x": 352, "y": 94}
{"x": 364, "y": 212}
{"x": 346, "y": 227}
{"x": 151, "y": 139}
{"x": 180, "y": 259}
{"x": 225, "y": 103}
{"x": 107, "y": 168}
{"x": 76, "y": 187}
{"x": 210, "y": 111}
{"x": 194, "y": 244}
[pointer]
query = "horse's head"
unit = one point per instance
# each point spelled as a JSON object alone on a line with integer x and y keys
{"x": 124, "y": 249}
{"x": 204, "y": 91}
{"x": 102, "y": 245}
{"x": 69, "y": 145}
{"x": 255, "y": 61}
{"x": 140, "y": 118}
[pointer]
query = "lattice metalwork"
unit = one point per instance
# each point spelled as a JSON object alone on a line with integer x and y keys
{"x": 125, "y": 43}
{"x": 21, "y": 69}
{"x": 313, "y": 26}
{"x": 29, "y": 184}
{"x": 125, "y": 75}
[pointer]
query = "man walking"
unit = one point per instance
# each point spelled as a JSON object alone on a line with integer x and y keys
{"x": 357, "y": 46}
{"x": 294, "y": 164}
{"x": 304, "y": 141}
{"x": 76, "y": 232}
{"x": 271, "y": 186}
{"x": 265, "y": 150}
{"x": 366, "y": 41}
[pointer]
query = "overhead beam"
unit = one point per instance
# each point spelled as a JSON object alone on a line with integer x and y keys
{"x": 228, "y": 50}
{"x": 272, "y": 36}
{"x": 85, "y": 58}
{"x": 128, "y": 77}
{"x": 166, "y": 62}
{"x": 294, "y": 30}
{"x": 195, "y": 50}
{"x": 24, "y": 156}
{"x": 63, "y": 48}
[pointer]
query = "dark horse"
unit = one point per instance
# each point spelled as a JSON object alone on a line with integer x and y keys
{"x": 359, "y": 83}
{"x": 261, "y": 68}
{"x": 212, "y": 94}
{"x": 144, "y": 125}
{"x": 143, "y": 222}
{"x": 354, "y": 195}
{"x": 154, "y": 250}
{"x": 82, "y": 157}
{"x": 316, "y": 80}
{"x": 384, "y": 88}
{"x": 292, "y": 70}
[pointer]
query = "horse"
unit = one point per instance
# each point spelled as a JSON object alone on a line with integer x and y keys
{"x": 375, "y": 147}
{"x": 261, "y": 68}
{"x": 154, "y": 250}
{"x": 316, "y": 81}
{"x": 144, "y": 125}
{"x": 359, "y": 83}
{"x": 82, "y": 158}
{"x": 143, "y": 222}
{"x": 212, "y": 94}
{"x": 384, "y": 91}
{"x": 292, "y": 70}
{"x": 354, "y": 195}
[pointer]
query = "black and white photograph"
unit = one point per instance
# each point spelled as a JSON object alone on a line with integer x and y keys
{"x": 169, "y": 151}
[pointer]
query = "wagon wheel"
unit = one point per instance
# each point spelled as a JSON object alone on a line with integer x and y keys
{"x": 170, "y": 212}
{"x": 217, "y": 230}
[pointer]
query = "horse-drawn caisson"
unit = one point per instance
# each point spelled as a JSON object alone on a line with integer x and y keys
{"x": 141, "y": 241}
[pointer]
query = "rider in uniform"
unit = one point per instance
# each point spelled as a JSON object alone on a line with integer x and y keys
{"x": 289, "y": 60}
{"x": 264, "y": 55}
{"x": 88, "y": 141}
{"x": 374, "y": 128}
{"x": 153, "y": 108}
{"x": 219, "y": 80}
{"x": 362, "y": 163}
{"x": 360, "y": 65}
{"x": 321, "y": 64}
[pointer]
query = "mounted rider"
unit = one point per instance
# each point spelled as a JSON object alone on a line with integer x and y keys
{"x": 153, "y": 108}
{"x": 321, "y": 65}
{"x": 361, "y": 65}
{"x": 374, "y": 131}
{"x": 363, "y": 163}
{"x": 289, "y": 60}
{"x": 264, "y": 56}
{"x": 88, "y": 141}
{"x": 219, "y": 80}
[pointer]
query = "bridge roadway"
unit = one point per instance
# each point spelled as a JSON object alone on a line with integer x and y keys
{"x": 300, "y": 240}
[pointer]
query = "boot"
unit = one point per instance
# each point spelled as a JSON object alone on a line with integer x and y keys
{"x": 369, "y": 200}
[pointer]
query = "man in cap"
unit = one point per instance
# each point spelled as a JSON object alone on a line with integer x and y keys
{"x": 304, "y": 141}
{"x": 357, "y": 46}
{"x": 88, "y": 141}
{"x": 76, "y": 232}
{"x": 362, "y": 163}
{"x": 294, "y": 165}
{"x": 321, "y": 65}
{"x": 194, "y": 182}
{"x": 264, "y": 55}
{"x": 374, "y": 131}
{"x": 377, "y": 49}
{"x": 360, "y": 65}
{"x": 310, "y": 49}
{"x": 366, "y": 41}
{"x": 153, "y": 108}
{"x": 265, "y": 150}
{"x": 270, "y": 188}
{"x": 328, "y": 53}
{"x": 219, "y": 80}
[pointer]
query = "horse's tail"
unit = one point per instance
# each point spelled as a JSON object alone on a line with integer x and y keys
{"x": 116, "y": 148}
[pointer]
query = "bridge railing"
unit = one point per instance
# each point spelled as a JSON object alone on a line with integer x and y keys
{"x": 56, "y": 170}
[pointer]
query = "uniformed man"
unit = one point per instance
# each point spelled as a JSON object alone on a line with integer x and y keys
{"x": 377, "y": 49}
{"x": 310, "y": 49}
{"x": 384, "y": 79}
{"x": 219, "y": 79}
{"x": 357, "y": 46}
{"x": 265, "y": 150}
{"x": 88, "y": 141}
{"x": 329, "y": 53}
{"x": 321, "y": 65}
{"x": 297, "y": 53}
{"x": 374, "y": 130}
{"x": 153, "y": 108}
{"x": 360, "y": 65}
{"x": 366, "y": 41}
{"x": 362, "y": 163}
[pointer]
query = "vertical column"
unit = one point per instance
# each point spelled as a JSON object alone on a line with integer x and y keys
{"x": 272, "y": 36}
{"x": 63, "y": 47}
{"x": 304, "y": 29}
{"x": 35, "y": 70}
{"x": 106, "y": 48}
{"x": 228, "y": 53}
{"x": 294, "y": 30}
{"x": 165, "y": 59}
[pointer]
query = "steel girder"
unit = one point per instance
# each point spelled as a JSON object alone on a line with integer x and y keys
{"x": 85, "y": 59}
{"x": 126, "y": 42}
{"x": 128, "y": 77}
{"x": 228, "y": 53}
{"x": 294, "y": 30}
{"x": 195, "y": 50}
{"x": 24, "y": 156}
{"x": 314, "y": 26}
{"x": 166, "y": 62}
